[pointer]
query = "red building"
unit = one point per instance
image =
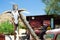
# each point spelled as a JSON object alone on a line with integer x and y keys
{"x": 39, "y": 20}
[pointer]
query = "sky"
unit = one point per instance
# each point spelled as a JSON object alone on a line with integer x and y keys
{"x": 35, "y": 7}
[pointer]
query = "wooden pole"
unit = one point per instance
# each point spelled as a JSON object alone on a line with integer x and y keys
{"x": 29, "y": 27}
{"x": 15, "y": 7}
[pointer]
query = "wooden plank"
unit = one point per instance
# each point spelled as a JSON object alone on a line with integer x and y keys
{"x": 29, "y": 27}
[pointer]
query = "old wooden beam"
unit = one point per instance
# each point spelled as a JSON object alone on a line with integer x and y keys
{"x": 15, "y": 8}
{"x": 29, "y": 27}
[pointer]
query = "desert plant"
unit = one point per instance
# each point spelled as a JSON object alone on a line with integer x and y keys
{"x": 6, "y": 27}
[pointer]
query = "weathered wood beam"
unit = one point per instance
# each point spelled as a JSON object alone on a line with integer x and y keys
{"x": 15, "y": 7}
{"x": 29, "y": 27}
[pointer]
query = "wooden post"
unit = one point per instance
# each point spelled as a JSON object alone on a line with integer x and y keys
{"x": 15, "y": 7}
{"x": 29, "y": 28}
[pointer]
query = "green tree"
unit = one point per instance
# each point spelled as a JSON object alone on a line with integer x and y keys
{"x": 52, "y": 7}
